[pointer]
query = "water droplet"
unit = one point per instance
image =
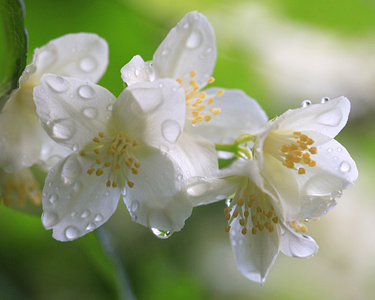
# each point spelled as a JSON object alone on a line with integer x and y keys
{"x": 70, "y": 170}
{"x": 85, "y": 214}
{"x": 186, "y": 25}
{"x": 110, "y": 107}
{"x": 336, "y": 194}
{"x": 53, "y": 198}
{"x": 87, "y": 64}
{"x": 75, "y": 147}
{"x": 49, "y": 219}
{"x": 165, "y": 51}
{"x": 345, "y": 167}
{"x": 171, "y": 131}
{"x": 63, "y": 129}
{"x": 329, "y": 150}
{"x": 90, "y": 226}
{"x": 228, "y": 201}
{"x": 208, "y": 50}
{"x": 324, "y": 100}
{"x": 99, "y": 218}
{"x": 137, "y": 72}
{"x": 161, "y": 234}
{"x": 57, "y": 83}
{"x": 180, "y": 178}
{"x": 339, "y": 149}
{"x": 90, "y": 112}
{"x": 71, "y": 232}
{"x": 123, "y": 192}
{"x": 86, "y": 92}
{"x": 194, "y": 40}
{"x": 134, "y": 206}
{"x": 305, "y": 103}
{"x": 77, "y": 187}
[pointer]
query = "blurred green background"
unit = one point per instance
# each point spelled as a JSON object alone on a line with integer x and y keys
{"x": 278, "y": 51}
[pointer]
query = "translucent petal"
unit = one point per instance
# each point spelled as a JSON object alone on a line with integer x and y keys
{"x": 158, "y": 198}
{"x": 136, "y": 71}
{"x": 79, "y": 55}
{"x": 188, "y": 46}
{"x": 297, "y": 245}
{"x": 152, "y": 112}
{"x": 328, "y": 118}
{"x": 75, "y": 203}
{"x": 223, "y": 127}
{"x": 19, "y": 139}
{"x": 73, "y": 111}
{"x": 254, "y": 253}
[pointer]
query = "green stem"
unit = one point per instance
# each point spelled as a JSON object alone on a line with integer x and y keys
{"x": 235, "y": 148}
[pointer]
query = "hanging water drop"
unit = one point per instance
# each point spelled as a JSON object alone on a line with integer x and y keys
{"x": 324, "y": 100}
{"x": 305, "y": 103}
{"x": 161, "y": 234}
{"x": 71, "y": 232}
{"x": 99, "y": 218}
{"x": 85, "y": 214}
{"x": 49, "y": 219}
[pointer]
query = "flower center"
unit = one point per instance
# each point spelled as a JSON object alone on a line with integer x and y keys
{"x": 292, "y": 150}
{"x": 115, "y": 154}
{"x": 18, "y": 187}
{"x": 199, "y": 103}
{"x": 250, "y": 200}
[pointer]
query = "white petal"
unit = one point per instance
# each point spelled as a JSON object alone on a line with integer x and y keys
{"x": 73, "y": 111}
{"x": 328, "y": 118}
{"x": 152, "y": 112}
{"x": 239, "y": 114}
{"x": 79, "y": 55}
{"x": 136, "y": 71}
{"x": 75, "y": 203}
{"x": 19, "y": 137}
{"x": 297, "y": 245}
{"x": 158, "y": 198}
{"x": 209, "y": 190}
{"x": 254, "y": 254}
{"x": 190, "y": 46}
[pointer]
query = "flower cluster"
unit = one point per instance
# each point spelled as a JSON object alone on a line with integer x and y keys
{"x": 157, "y": 146}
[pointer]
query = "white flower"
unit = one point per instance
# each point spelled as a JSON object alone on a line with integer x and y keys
{"x": 117, "y": 151}
{"x": 188, "y": 55}
{"x": 23, "y": 141}
{"x": 296, "y": 172}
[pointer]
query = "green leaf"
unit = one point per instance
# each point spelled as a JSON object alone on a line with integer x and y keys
{"x": 13, "y": 50}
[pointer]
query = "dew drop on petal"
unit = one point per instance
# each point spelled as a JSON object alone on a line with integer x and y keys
{"x": 161, "y": 234}
{"x": 180, "y": 177}
{"x": 63, "y": 129}
{"x": 137, "y": 72}
{"x": 86, "y": 92}
{"x": 165, "y": 51}
{"x": 58, "y": 84}
{"x": 77, "y": 187}
{"x": 345, "y": 167}
{"x": 87, "y": 64}
{"x": 339, "y": 149}
{"x": 305, "y": 103}
{"x": 208, "y": 50}
{"x": 171, "y": 131}
{"x": 186, "y": 25}
{"x": 336, "y": 194}
{"x": 85, "y": 214}
{"x": 71, "y": 232}
{"x": 53, "y": 198}
{"x": 49, "y": 219}
{"x": 70, "y": 170}
{"x": 324, "y": 100}
{"x": 90, "y": 112}
{"x": 329, "y": 150}
{"x": 90, "y": 226}
{"x": 134, "y": 206}
{"x": 228, "y": 201}
{"x": 123, "y": 191}
{"x": 194, "y": 40}
{"x": 99, "y": 218}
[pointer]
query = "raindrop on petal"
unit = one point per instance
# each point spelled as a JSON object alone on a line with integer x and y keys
{"x": 324, "y": 100}
{"x": 161, "y": 234}
{"x": 63, "y": 129}
{"x": 87, "y": 64}
{"x": 58, "y": 84}
{"x": 165, "y": 51}
{"x": 110, "y": 107}
{"x": 171, "y": 131}
{"x": 53, "y": 198}
{"x": 85, "y": 214}
{"x": 90, "y": 226}
{"x": 345, "y": 167}
{"x": 71, "y": 232}
{"x": 194, "y": 40}
{"x": 70, "y": 170}
{"x": 86, "y": 92}
{"x": 77, "y": 187}
{"x": 99, "y": 218}
{"x": 49, "y": 219}
{"x": 134, "y": 206}
{"x": 305, "y": 103}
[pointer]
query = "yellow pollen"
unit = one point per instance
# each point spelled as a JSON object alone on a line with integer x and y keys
{"x": 215, "y": 111}
{"x": 210, "y": 101}
{"x": 227, "y": 228}
{"x": 199, "y": 101}
{"x": 301, "y": 171}
{"x": 135, "y": 143}
{"x": 275, "y": 220}
{"x": 309, "y": 141}
{"x": 195, "y": 114}
{"x": 101, "y": 134}
{"x": 297, "y": 133}
{"x": 240, "y": 202}
{"x": 244, "y": 231}
{"x": 242, "y": 222}
{"x": 202, "y": 95}
{"x": 179, "y": 80}
{"x": 83, "y": 153}
{"x": 312, "y": 163}
{"x": 110, "y": 152}
{"x": 97, "y": 151}
{"x": 227, "y": 216}
{"x": 313, "y": 150}
{"x": 226, "y": 210}
{"x": 96, "y": 140}
{"x": 193, "y": 82}
{"x": 254, "y": 230}
{"x": 98, "y": 161}
{"x": 90, "y": 171}
{"x": 114, "y": 184}
{"x": 220, "y": 93}
{"x": 137, "y": 165}
{"x": 211, "y": 80}
{"x": 135, "y": 171}
{"x": 130, "y": 184}
{"x": 99, "y": 172}
{"x": 193, "y": 73}
{"x": 235, "y": 214}
{"x": 118, "y": 166}
{"x": 271, "y": 229}
{"x": 108, "y": 184}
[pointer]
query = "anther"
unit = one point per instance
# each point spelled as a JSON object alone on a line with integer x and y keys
{"x": 99, "y": 172}
{"x": 244, "y": 231}
{"x": 227, "y": 228}
{"x": 210, "y": 80}
{"x": 101, "y": 134}
{"x": 220, "y": 93}
{"x": 193, "y": 73}
{"x": 83, "y": 153}
{"x": 96, "y": 140}
{"x": 301, "y": 171}
{"x": 254, "y": 230}
{"x": 130, "y": 184}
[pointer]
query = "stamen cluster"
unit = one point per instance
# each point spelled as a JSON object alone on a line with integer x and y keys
{"x": 196, "y": 101}
{"x": 114, "y": 153}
